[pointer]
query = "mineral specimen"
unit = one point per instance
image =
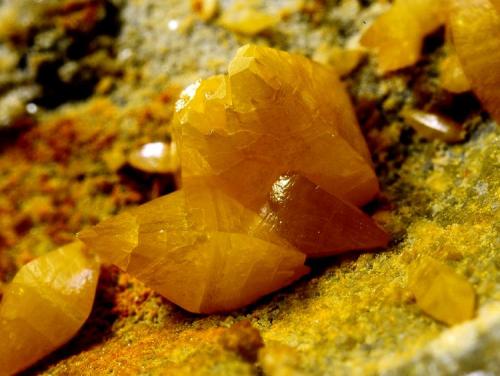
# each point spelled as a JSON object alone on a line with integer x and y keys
{"x": 317, "y": 223}
{"x": 441, "y": 293}
{"x": 272, "y": 113}
{"x": 46, "y": 303}
{"x": 239, "y": 228}
{"x": 199, "y": 248}
{"x": 470, "y": 22}
{"x": 397, "y": 36}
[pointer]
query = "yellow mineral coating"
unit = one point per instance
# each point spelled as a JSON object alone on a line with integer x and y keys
{"x": 197, "y": 247}
{"x": 440, "y": 292}
{"x": 272, "y": 113}
{"x": 44, "y": 306}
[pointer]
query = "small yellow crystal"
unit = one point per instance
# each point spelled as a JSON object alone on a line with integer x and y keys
{"x": 397, "y": 35}
{"x": 155, "y": 157}
{"x": 244, "y": 19}
{"x": 441, "y": 293}
{"x": 46, "y": 303}
{"x": 452, "y": 76}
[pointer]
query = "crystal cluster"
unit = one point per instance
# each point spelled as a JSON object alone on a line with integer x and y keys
{"x": 274, "y": 166}
{"x": 44, "y": 306}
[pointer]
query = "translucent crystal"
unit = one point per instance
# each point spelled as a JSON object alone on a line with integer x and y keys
{"x": 397, "y": 35}
{"x": 238, "y": 229}
{"x": 475, "y": 26}
{"x": 317, "y": 223}
{"x": 199, "y": 248}
{"x": 272, "y": 113}
{"x": 442, "y": 293}
{"x": 44, "y": 306}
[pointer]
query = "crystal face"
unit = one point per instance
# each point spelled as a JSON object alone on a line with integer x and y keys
{"x": 272, "y": 113}
{"x": 317, "y": 223}
{"x": 441, "y": 293}
{"x": 242, "y": 225}
{"x": 44, "y": 306}
{"x": 199, "y": 248}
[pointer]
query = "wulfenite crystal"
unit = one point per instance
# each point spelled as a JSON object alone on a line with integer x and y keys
{"x": 242, "y": 225}
{"x": 317, "y": 223}
{"x": 272, "y": 113}
{"x": 199, "y": 248}
{"x": 441, "y": 293}
{"x": 46, "y": 303}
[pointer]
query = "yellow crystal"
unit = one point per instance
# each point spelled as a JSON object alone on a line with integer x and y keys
{"x": 46, "y": 303}
{"x": 475, "y": 27}
{"x": 238, "y": 229}
{"x": 155, "y": 157}
{"x": 442, "y": 293}
{"x": 199, "y": 248}
{"x": 244, "y": 19}
{"x": 397, "y": 35}
{"x": 272, "y": 113}
{"x": 452, "y": 76}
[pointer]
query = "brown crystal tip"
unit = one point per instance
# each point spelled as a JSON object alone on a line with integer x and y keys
{"x": 238, "y": 229}
{"x": 318, "y": 223}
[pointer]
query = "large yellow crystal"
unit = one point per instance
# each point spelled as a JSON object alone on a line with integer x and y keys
{"x": 46, "y": 303}
{"x": 274, "y": 112}
{"x": 199, "y": 248}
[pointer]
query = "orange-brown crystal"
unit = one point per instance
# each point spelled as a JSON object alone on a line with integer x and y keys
{"x": 316, "y": 222}
{"x": 273, "y": 112}
{"x": 46, "y": 303}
